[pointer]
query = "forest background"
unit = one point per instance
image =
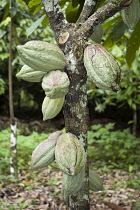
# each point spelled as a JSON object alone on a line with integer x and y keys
{"x": 114, "y": 116}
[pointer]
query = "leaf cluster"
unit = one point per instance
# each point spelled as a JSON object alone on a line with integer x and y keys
{"x": 113, "y": 148}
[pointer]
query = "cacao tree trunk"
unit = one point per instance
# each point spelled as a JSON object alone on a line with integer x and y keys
{"x": 13, "y": 126}
{"x": 76, "y": 111}
{"x": 72, "y": 38}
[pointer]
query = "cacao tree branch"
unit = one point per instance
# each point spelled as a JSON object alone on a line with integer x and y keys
{"x": 55, "y": 15}
{"x": 101, "y": 15}
{"x": 88, "y": 9}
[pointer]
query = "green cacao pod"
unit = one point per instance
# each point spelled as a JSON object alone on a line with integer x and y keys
{"x": 28, "y": 74}
{"x": 95, "y": 182}
{"x": 51, "y": 107}
{"x": 97, "y": 34}
{"x": 101, "y": 67}
{"x": 44, "y": 153}
{"x": 131, "y": 14}
{"x": 69, "y": 154}
{"x": 72, "y": 184}
{"x": 55, "y": 84}
{"x": 42, "y": 56}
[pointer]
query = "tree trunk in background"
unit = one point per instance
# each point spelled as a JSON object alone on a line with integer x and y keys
{"x": 13, "y": 126}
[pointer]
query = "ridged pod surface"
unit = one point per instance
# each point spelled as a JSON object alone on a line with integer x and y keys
{"x": 28, "y": 74}
{"x": 40, "y": 55}
{"x": 55, "y": 84}
{"x": 51, "y": 107}
{"x": 69, "y": 154}
{"x": 95, "y": 182}
{"x": 101, "y": 67}
{"x": 131, "y": 14}
{"x": 44, "y": 153}
{"x": 72, "y": 184}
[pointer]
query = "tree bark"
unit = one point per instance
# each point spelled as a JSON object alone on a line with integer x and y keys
{"x": 72, "y": 39}
{"x": 13, "y": 126}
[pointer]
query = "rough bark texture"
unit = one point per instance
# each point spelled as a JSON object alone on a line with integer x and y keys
{"x": 72, "y": 40}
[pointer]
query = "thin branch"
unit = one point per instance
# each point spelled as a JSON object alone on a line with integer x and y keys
{"x": 55, "y": 15}
{"x": 88, "y": 9}
{"x": 101, "y": 15}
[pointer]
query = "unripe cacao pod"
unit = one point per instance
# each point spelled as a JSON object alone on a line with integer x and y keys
{"x": 72, "y": 184}
{"x": 44, "y": 153}
{"x": 131, "y": 14}
{"x": 55, "y": 84}
{"x": 51, "y": 107}
{"x": 28, "y": 74}
{"x": 101, "y": 67}
{"x": 69, "y": 154}
{"x": 43, "y": 56}
{"x": 95, "y": 182}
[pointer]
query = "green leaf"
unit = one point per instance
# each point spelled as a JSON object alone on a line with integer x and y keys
{"x": 33, "y": 3}
{"x": 133, "y": 45}
{"x": 32, "y": 28}
{"x": 118, "y": 30}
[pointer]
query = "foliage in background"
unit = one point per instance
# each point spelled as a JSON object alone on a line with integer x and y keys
{"x": 113, "y": 148}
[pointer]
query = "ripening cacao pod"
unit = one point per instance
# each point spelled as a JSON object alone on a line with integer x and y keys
{"x": 69, "y": 154}
{"x": 97, "y": 34}
{"x": 131, "y": 14}
{"x": 95, "y": 182}
{"x": 43, "y": 56}
{"x": 72, "y": 184}
{"x": 28, "y": 74}
{"x": 51, "y": 107}
{"x": 55, "y": 84}
{"x": 101, "y": 67}
{"x": 44, "y": 153}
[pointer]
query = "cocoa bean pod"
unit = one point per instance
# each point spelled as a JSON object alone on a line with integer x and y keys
{"x": 44, "y": 153}
{"x": 42, "y": 56}
{"x": 95, "y": 182}
{"x": 55, "y": 84}
{"x": 51, "y": 107}
{"x": 101, "y": 67}
{"x": 28, "y": 74}
{"x": 69, "y": 154}
{"x": 72, "y": 184}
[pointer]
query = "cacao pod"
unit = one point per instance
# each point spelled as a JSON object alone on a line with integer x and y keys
{"x": 69, "y": 154}
{"x": 51, "y": 107}
{"x": 55, "y": 84}
{"x": 97, "y": 34}
{"x": 131, "y": 14}
{"x": 101, "y": 67}
{"x": 28, "y": 74}
{"x": 72, "y": 184}
{"x": 95, "y": 182}
{"x": 43, "y": 56}
{"x": 44, "y": 153}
